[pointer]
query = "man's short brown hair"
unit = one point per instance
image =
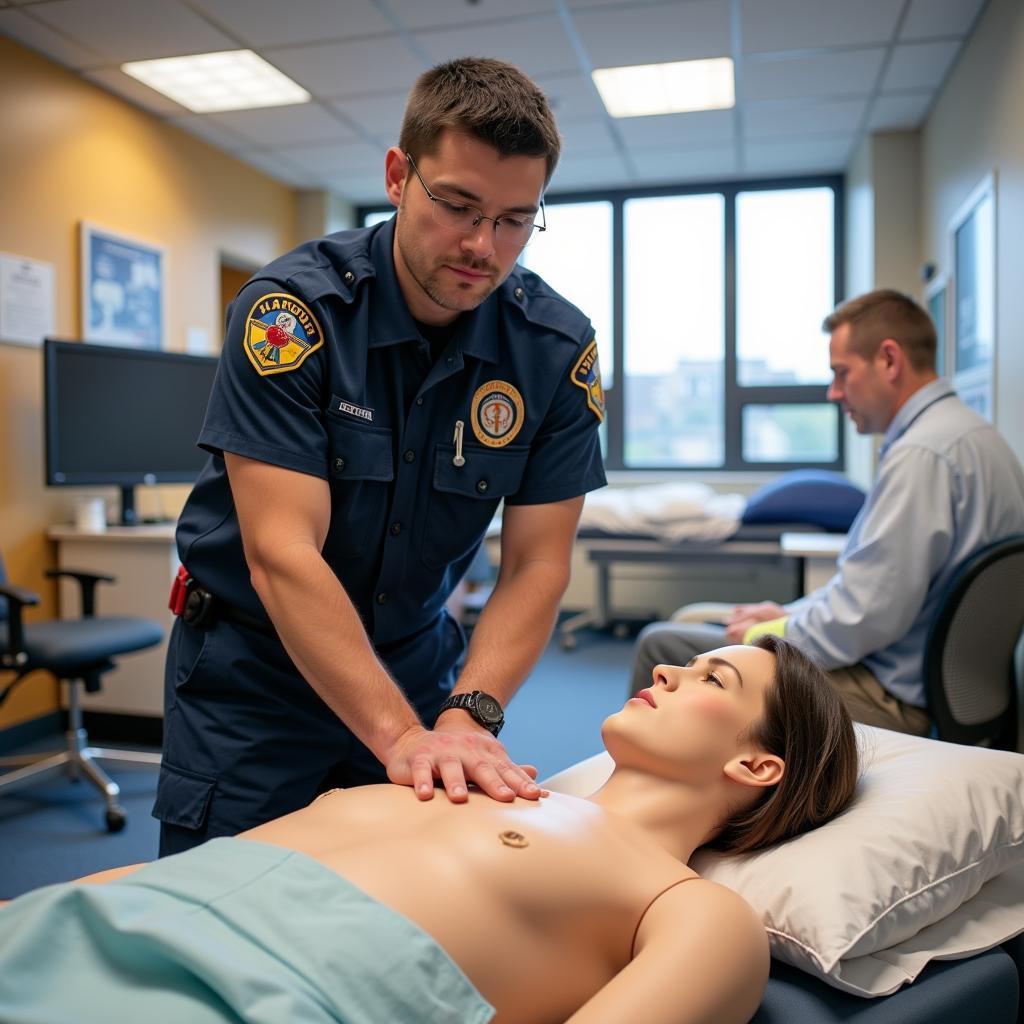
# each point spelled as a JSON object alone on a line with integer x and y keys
{"x": 882, "y": 314}
{"x": 487, "y": 99}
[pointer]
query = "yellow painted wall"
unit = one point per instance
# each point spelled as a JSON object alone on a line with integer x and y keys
{"x": 72, "y": 152}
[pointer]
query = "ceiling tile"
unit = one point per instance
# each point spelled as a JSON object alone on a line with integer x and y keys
{"x": 129, "y": 30}
{"x": 362, "y": 190}
{"x": 116, "y": 81}
{"x": 379, "y": 115}
{"x": 795, "y": 156}
{"x": 899, "y": 113}
{"x": 575, "y": 173}
{"x": 676, "y": 130}
{"x": 784, "y": 119}
{"x": 919, "y": 65}
{"x": 415, "y": 14}
{"x": 332, "y": 161}
{"x": 667, "y": 166}
{"x": 571, "y": 95}
{"x": 340, "y": 69}
{"x": 836, "y": 74}
{"x": 799, "y": 24}
{"x": 588, "y": 136}
{"x": 278, "y": 126}
{"x": 203, "y": 128}
{"x": 647, "y": 34}
{"x": 933, "y": 18}
{"x": 277, "y": 166}
{"x": 537, "y": 45}
{"x": 272, "y": 23}
{"x": 24, "y": 29}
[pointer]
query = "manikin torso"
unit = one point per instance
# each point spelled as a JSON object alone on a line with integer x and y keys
{"x": 538, "y": 928}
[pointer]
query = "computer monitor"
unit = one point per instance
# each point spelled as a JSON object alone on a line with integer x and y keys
{"x": 123, "y": 416}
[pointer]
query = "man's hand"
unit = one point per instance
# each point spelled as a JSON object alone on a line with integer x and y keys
{"x": 458, "y": 753}
{"x": 746, "y": 615}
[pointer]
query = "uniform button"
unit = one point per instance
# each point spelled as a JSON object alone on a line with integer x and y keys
{"x": 409, "y": 456}
{"x": 481, "y": 486}
{"x": 382, "y": 598}
{"x": 339, "y": 465}
{"x": 449, "y": 361}
{"x": 519, "y": 294}
{"x": 396, "y": 529}
{"x": 349, "y": 277}
{"x": 419, "y": 401}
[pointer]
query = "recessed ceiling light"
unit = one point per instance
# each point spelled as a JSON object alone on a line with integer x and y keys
{"x": 644, "y": 89}
{"x": 228, "y": 80}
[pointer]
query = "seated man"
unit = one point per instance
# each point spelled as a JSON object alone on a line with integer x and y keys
{"x": 947, "y": 486}
{"x": 370, "y": 905}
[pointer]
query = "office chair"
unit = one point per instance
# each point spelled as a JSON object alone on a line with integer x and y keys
{"x": 77, "y": 651}
{"x": 969, "y": 677}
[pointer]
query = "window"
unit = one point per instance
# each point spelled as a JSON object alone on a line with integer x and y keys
{"x": 707, "y": 305}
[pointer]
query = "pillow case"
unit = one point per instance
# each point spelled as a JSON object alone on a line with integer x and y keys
{"x": 865, "y": 901}
{"x": 817, "y": 497}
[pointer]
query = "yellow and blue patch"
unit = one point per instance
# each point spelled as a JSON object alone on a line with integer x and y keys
{"x": 586, "y": 374}
{"x": 496, "y": 413}
{"x": 280, "y": 331}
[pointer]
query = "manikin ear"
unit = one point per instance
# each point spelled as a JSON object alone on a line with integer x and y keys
{"x": 396, "y": 170}
{"x": 756, "y": 768}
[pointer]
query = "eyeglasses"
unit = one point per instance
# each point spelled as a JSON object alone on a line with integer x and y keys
{"x": 509, "y": 232}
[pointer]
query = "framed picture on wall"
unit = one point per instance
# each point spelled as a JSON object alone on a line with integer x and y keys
{"x": 972, "y": 233}
{"x": 936, "y": 301}
{"x": 122, "y": 289}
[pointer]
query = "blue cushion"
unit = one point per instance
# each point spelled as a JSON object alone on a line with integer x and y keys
{"x": 813, "y": 496}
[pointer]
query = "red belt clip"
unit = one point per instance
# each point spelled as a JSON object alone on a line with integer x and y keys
{"x": 179, "y": 591}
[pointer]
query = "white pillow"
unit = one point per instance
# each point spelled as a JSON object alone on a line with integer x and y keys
{"x": 931, "y": 824}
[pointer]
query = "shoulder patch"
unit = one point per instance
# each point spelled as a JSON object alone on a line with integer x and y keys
{"x": 280, "y": 331}
{"x": 586, "y": 374}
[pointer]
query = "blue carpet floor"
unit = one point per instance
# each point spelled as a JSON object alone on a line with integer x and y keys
{"x": 54, "y": 831}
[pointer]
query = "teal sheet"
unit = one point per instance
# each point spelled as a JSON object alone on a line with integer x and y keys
{"x": 230, "y": 931}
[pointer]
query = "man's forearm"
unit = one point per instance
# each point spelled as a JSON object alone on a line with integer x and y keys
{"x": 514, "y": 627}
{"x": 322, "y": 632}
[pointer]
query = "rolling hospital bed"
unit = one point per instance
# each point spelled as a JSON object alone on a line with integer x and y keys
{"x": 906, "y": 909}
{"x": 683, "y": 526}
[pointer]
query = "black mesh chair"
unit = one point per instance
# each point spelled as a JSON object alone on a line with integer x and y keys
{"x": 77, "y": 651}
{"x": 970, "y": 682}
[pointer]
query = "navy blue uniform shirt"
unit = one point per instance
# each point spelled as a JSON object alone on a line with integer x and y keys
{"x": 325, "y": 372}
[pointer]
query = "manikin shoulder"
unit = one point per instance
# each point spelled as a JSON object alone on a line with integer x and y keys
{"x": 701, "y": 956}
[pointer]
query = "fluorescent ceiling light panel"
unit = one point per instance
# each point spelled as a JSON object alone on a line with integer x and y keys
{"x": 208, "y": 82}
{"x": 679, "y": 87}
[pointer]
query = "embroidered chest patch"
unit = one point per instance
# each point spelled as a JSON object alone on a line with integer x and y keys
{"x": 496, "y": 413}
{"x": 586, "y": 374}
{"x": 280, "y": 332}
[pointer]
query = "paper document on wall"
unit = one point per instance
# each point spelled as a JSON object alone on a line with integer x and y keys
{"x": 26, "y": 300}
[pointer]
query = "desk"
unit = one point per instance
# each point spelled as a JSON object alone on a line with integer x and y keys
{"x": 808, "y": 557}
{"x": 144, "y": 561}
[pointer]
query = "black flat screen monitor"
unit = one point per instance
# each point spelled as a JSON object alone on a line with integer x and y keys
{"x": 123, "y": 416}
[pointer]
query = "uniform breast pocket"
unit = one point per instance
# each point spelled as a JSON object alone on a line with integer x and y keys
{"x": 360, "y": 468}
{"x": 463, "y": 498}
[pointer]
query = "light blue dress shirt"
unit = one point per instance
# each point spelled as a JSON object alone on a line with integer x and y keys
{"x": 948, "y": 485}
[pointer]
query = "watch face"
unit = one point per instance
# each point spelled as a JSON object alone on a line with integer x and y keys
{"x": 488, "y": 708}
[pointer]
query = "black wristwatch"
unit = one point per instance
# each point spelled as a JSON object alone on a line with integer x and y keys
{"x": 482, "y": 707}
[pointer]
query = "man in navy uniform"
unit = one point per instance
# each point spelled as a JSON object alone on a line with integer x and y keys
{"x": 379, "y": 392}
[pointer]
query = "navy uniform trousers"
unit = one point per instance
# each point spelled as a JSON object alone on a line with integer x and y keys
{"x": 257, "y": 740}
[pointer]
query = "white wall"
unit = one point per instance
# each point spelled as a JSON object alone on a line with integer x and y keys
{"x": 975, "y": 128}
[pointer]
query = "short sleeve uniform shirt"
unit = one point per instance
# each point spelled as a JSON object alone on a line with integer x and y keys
{"x": 324, "y": 372}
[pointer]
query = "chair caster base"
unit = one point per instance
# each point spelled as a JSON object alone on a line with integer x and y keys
{"x": 116, "y": 818}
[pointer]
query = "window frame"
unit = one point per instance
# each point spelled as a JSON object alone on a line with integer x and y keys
{"x": 736, "y": 396}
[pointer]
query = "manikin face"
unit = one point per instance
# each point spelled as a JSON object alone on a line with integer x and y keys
{"x": 689, "y": 722}
{"x": 860, "y": 385}
{"x": 443, "y": 271}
